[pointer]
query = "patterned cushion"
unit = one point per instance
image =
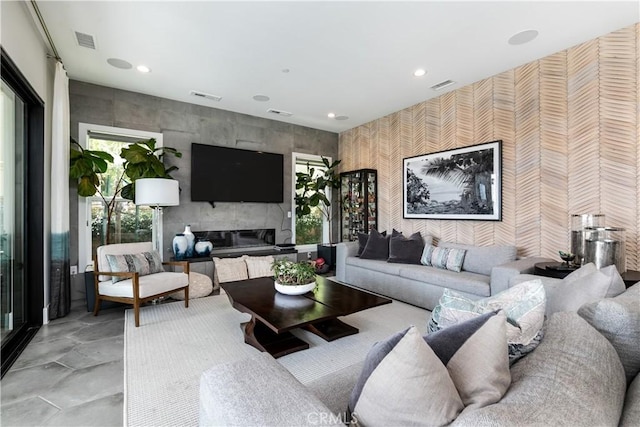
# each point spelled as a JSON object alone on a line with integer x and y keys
{"x": 618, "y": 319}
{"x": 439, "y": 257}
{"x": 406, "y": 250}
{"x": 229, "y": 269}
{"x": 524, "y": 305}
{"x": 476, "y": 357}
{"x": 259, "y": 266}
{"x": 425, "y": 259}
{"x": 585, "y": 285}
{"x": 455, "y": 258}
{"x": 144, "y": 263}
{"x": 397, "y": 385}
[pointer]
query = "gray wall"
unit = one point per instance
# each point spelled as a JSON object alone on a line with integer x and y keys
{"x": 182, "y": 124}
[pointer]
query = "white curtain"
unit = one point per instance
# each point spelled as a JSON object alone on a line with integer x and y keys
{"x": 60, "y": 289}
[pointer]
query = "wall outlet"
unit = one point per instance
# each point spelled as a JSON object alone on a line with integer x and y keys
{"x": 288, "y": 214}
{"x": 74, "y": 270}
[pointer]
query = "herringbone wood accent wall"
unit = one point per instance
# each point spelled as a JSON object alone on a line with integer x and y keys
{"x": 570, "y": 126}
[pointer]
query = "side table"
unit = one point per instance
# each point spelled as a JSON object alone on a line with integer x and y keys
{"x": 559, "y": 270}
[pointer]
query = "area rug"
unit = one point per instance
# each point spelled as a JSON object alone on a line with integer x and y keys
{"x": 165, "y": 356}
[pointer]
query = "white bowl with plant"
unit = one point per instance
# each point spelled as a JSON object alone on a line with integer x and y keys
{"x": 293, "y": 278}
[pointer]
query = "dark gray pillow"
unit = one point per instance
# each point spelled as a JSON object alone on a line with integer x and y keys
{"x": 377, "y": 246}
{"x": 362, "y": 241}
{"x": 406, "y": 250}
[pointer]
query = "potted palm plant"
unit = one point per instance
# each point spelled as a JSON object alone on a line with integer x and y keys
{"x": 312, "y": 190}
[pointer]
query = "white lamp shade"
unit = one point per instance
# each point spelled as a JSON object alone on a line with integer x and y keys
{"x": 157, "y": 192}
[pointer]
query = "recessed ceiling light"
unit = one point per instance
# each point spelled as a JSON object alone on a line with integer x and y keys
{"x": 331, "y": 115}
{"x": 419, "y": 72}
{"x": 523, "y": 37}
{"x": 261, "y": 98}
{"x": 285, "y": 70}
{"x": 143, "y": 69}
{"x": 119, "y": 63}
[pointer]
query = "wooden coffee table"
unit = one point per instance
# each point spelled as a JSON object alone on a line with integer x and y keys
{"x": 274, "y": 314}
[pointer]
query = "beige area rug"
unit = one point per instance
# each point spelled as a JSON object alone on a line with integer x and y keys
{"x": 166, "y": 355}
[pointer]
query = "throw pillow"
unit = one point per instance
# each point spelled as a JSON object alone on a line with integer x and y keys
{"x": 439, "y": 257}
{"x": 144, "y": 263}
{"x": 476, "y": 357}
{"x": 455, "y": 258}
{"x": 524, "y": 306}
{"x": 362, "y": 241}
{"x": 585, "y": 285}
{"x": 482, "y": 259}
{"x": 229, "y": 269}
{"x": 397, "y": 385}
{"x": 425, "y": 259}
{"x": 406, "y": 250}
{"x": 377, "y": 246}
{"x": 259, "y": 266}
{"x": 618, "y": 319}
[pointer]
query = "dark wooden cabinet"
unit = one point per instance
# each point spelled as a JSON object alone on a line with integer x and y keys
{"x": 358, "y": 203}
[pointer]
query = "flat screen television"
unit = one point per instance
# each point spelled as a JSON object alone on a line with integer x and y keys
{"x": 223, "y": 174}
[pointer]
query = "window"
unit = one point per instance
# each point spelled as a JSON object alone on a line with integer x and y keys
{"x": 309, "y": 229}
{"x": 128, "y": 222}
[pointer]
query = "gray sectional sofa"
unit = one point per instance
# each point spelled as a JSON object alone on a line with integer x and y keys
{"x": 574, "y": 377}
{"x": 486, "y": 271}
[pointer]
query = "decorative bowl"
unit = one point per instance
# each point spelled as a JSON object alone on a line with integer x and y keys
{"x": 294, "y": 289}
{"x": 567, "y": 256}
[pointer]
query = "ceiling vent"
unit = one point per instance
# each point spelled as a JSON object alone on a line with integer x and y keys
{"x": 85, "y": 40}
{"x": 442, "y": 85}
{"x": 279, "y": 112}
{"x": 206, "y": 95}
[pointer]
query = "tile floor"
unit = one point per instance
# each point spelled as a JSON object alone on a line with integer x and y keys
{"x": 70, "y": 374}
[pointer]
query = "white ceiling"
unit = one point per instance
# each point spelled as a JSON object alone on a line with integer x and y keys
{"x": 351, "y": 58}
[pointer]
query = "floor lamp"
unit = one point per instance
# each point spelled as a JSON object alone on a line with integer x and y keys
{"x": 157, "y": 192}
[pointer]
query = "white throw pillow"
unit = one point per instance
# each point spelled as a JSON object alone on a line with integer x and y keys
{"x": 259, "y": 266}
{"x": 230, "y": 269}
{"x": 585, "y": 285}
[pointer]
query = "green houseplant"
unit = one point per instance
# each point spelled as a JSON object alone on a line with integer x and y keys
{"x": 312, "y": 190}
{"x": 90, "y": 168}
{"x": 293, "y": 278}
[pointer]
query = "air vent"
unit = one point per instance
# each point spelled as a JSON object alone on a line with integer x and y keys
{"x": 206, "y": 95}
{"x": 85, "y": 40}
{"x": 279, "y": 112}
{"x": 442, "y": 85}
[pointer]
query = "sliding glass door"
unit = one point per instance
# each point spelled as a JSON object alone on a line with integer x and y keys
{"x": 21, "y": 211}
{"x": 12, "y": 190}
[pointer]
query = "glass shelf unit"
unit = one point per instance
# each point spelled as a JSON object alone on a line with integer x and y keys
{"x": 358, "y": 203}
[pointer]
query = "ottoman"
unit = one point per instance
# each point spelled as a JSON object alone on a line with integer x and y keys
{"x": 200, "y": 285}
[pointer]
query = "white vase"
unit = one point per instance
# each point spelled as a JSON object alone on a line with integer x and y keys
{"x": 180, "y": 245}
{"x": 203, "y": 248}
{"x": 294, "y": 289}
{"x": 191, "y": 241}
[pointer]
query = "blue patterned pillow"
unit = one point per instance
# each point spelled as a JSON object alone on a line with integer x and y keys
{"x": 524, "y": 305}
{"x": 425, "y": 259}
{"x": 144, "y": 263}
{"x": 439, "y": 257}
{"x": 455, "y": 258}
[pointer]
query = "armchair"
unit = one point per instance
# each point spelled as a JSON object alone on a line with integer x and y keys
{"x": 134, "y": 282}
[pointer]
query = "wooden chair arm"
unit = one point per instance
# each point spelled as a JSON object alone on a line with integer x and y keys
{"x": 183, "y": 264}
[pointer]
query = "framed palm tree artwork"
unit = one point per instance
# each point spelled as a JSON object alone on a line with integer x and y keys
{"x": 463, "y": 183}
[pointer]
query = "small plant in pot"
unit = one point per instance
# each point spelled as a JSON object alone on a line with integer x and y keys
{"x": 293, "y": 278}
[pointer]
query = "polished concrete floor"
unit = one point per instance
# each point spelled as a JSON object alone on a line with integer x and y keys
{"x": 70, "y": 374}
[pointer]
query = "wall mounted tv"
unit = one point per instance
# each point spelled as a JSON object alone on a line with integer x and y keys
{"x": 223, "y": 174}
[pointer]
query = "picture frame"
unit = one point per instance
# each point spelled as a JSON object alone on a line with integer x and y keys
{"x": 461, "y": 184}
